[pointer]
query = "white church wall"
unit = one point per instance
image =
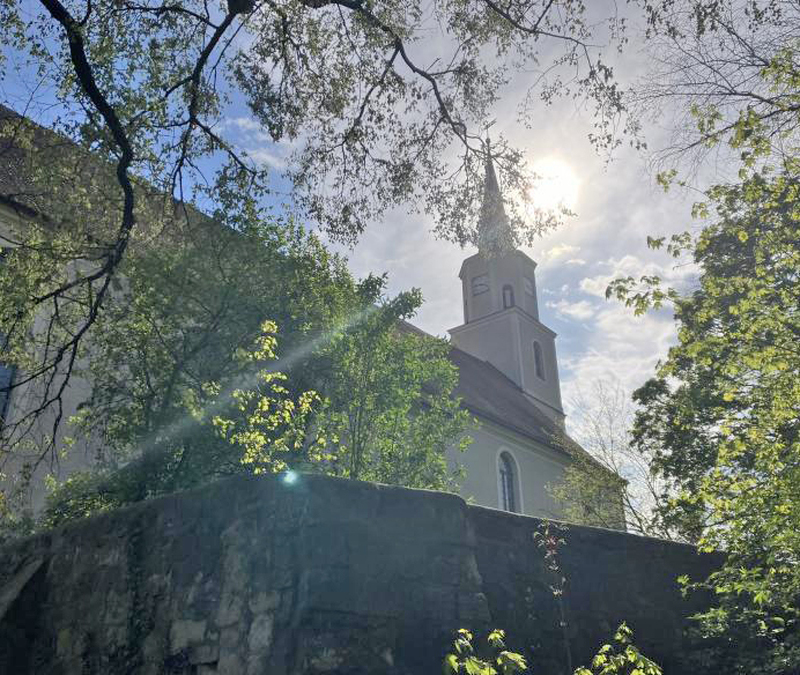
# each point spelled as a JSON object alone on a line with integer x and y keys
{"x": 537, "y": 467}
{"x": 545, "y": 389}
{"x": 63, "y": 460}
{"x": 493, "y": 339}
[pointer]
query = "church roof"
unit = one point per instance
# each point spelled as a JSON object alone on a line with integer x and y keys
{"x": 490, "y": 395}
{"x": 23, "y": 145}
{"x": 48, "y": 194}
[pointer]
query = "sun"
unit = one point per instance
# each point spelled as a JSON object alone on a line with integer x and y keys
{"x": 557, "y": 186}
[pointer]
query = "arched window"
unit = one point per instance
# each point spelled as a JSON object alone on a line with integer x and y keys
{"x": 538, "y": 360}
{"x": 508, "y": 296}
{"x": 508, "y": 483}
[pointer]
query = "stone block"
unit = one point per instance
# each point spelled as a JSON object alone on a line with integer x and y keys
{"x": 259, "y": 638}
{"x": 185, "y": 632}
{"x": 264, "y": 602}
{"x": 204, "y": 653}
{"x": 230, "y": 609}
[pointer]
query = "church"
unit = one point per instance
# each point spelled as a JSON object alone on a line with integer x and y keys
{"x": 506, "y": 358}
{"x": 508, "y": 374}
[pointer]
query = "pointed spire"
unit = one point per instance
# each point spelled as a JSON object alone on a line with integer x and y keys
{"x": 494, "y": 230}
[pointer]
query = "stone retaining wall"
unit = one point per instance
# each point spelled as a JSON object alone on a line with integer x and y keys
{"x": 255, "y": 576}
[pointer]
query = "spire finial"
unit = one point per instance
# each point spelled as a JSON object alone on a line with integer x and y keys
{"x": 494, "y": 230}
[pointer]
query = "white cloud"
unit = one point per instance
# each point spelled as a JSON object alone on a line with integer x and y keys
{"x": 623, "y": 347}
{"x": 580, "y": 310}
{"x": 561, "y": 249}
{"x": 548, "y": 257}
{"x": 243, "y": 124}
{"x": 576, "y": 261}
{"x": 253, "y": 139}
{"x": 264, "y": 156}
{"x": 595, "y": 285}
{"x": 631, "y": 265}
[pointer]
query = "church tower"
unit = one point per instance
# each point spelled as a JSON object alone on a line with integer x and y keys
{"x": 501, "y": 312}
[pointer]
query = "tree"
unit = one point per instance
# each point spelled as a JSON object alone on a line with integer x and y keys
{"x": 386, "y": 407}
{"x": 390, "y": 407}
{"x": 377, "y": 120}
{"x": 721, "y": 418}
{"x": 611, "y": 486}
{"x": 728, "y": 70}
{"x": 186, "y": 301}
{"x": 182, "y": 356}
{"x": 190, "y": 459}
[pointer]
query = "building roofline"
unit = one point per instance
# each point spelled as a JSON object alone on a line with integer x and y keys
{"x": 477, "y": 322}
{"x": 516, "y": 252}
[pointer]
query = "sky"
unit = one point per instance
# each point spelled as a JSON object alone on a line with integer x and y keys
{"x": 617, "y": 206}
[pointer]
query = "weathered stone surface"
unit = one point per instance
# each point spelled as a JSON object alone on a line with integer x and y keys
{"x": 15, "y": 585}
{"x": 254, "y": 576}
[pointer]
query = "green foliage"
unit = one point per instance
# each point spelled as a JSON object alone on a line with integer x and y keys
{"x": 500, "y": 662}
{"x": 191, "y": 454}
{"x": 270, "y": 427}
{"x": 621, "y": 657}
{"x": 173, "y": 336}
{"x": 188, "y": 383}
{"x": 389, "y": 406}
{"x": 721, "y": 419}
{"x": 385, "y": 411}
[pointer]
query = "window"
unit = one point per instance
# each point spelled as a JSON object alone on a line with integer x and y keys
{"x": 538, "y": 360}
{"x": 529, "y": 287}
{"x": 6, "y": 380}
{"x": 508, "y": 483}
{"x": 480, "y": 284}
{"x": 508, "y": 296}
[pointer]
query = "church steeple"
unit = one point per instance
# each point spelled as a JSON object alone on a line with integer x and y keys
{"x": 501, "y": 313}
{"x": 494, "y": 229}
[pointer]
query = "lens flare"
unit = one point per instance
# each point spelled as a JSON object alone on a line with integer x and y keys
{"x": 556, "y": 187}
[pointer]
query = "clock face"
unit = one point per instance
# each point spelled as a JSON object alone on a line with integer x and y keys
{"x": 528, "y": 286}
{"x": 480, "y": 284}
